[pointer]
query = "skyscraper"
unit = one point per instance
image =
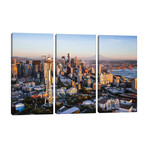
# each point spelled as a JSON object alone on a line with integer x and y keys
{"x": 47, "y": 76}
{"x": 92, "y": 70}
{"x": 37, "y": 65}
{"x": 14, "y": 70}
{"x": 63, "y": 60}
{"x": 134, "y": 84}
{"x": 72, "y": 62}
{"x": 14, "y": 60}
{"x": 99, "y": 69}
{"x": 88, "y": 82}
{"x": 69, "y": 69}
{"x": 79, "y": 76}
{"x": 76, "y": 62}
{"x": 69, "y": 57}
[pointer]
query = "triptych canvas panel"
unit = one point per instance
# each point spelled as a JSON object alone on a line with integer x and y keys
{"x": 32, "y": 74}
{"x": 84, "y": 82}
{"x": 75, "y": 74}
{"x": 117, "y": 74}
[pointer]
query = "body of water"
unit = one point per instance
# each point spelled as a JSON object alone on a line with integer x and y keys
{"x": 129, "y": 73}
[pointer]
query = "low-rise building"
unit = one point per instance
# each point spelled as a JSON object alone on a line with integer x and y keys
{"x": 126, "y": 101}
{"x": 87, "y": 103}
{"x": 61, "y": 91}
{"x": 71, "y": 110}
{"x": 125, "y": 108}
{"x": 109, "y": 104}
{"x": 71, "y": 91}
{"x": 105, "y": 78}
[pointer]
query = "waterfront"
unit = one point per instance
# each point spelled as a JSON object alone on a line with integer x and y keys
{"x": 128, "y": 73}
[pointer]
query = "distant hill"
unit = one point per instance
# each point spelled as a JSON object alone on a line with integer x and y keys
{"x": 89, "y": 58}
{"x": 94, "y": 58}
{"x": 104, "y": 58}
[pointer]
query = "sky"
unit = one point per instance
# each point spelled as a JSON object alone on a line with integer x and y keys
{"x": 32, "y": 45}
{"x": 118, "y": 47}
{"x": 76, "y": 45}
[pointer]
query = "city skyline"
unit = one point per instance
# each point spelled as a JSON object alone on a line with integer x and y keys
{"x": 81, "y": 58}
{"x": 32, "y": 45}
{"x": 75, "y": 74}
{"x": 31, "y": 74}
{"x": 77, "y": 45}
{"x": 118, "y": 47}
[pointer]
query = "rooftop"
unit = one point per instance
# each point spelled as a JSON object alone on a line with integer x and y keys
{"x": 125, "y": 106}
{"x": 87, "y": 102}
{"x": 70, "y": 110}
{"x": 126, "y": 99}
{"x": 102, "y": 101}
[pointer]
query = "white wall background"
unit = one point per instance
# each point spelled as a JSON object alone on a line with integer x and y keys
{"x": 105, "y": 17}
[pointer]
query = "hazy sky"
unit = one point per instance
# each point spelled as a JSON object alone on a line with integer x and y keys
{"x": 118, "y": 47}
{"x": 76, "y": 45}
{"x": 32, "y": 45}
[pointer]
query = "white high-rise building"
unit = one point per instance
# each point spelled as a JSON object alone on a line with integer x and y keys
{"x": 79, "y": 76}
{"x": 48, "y": 81}
{"x": 92, "y": 70}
